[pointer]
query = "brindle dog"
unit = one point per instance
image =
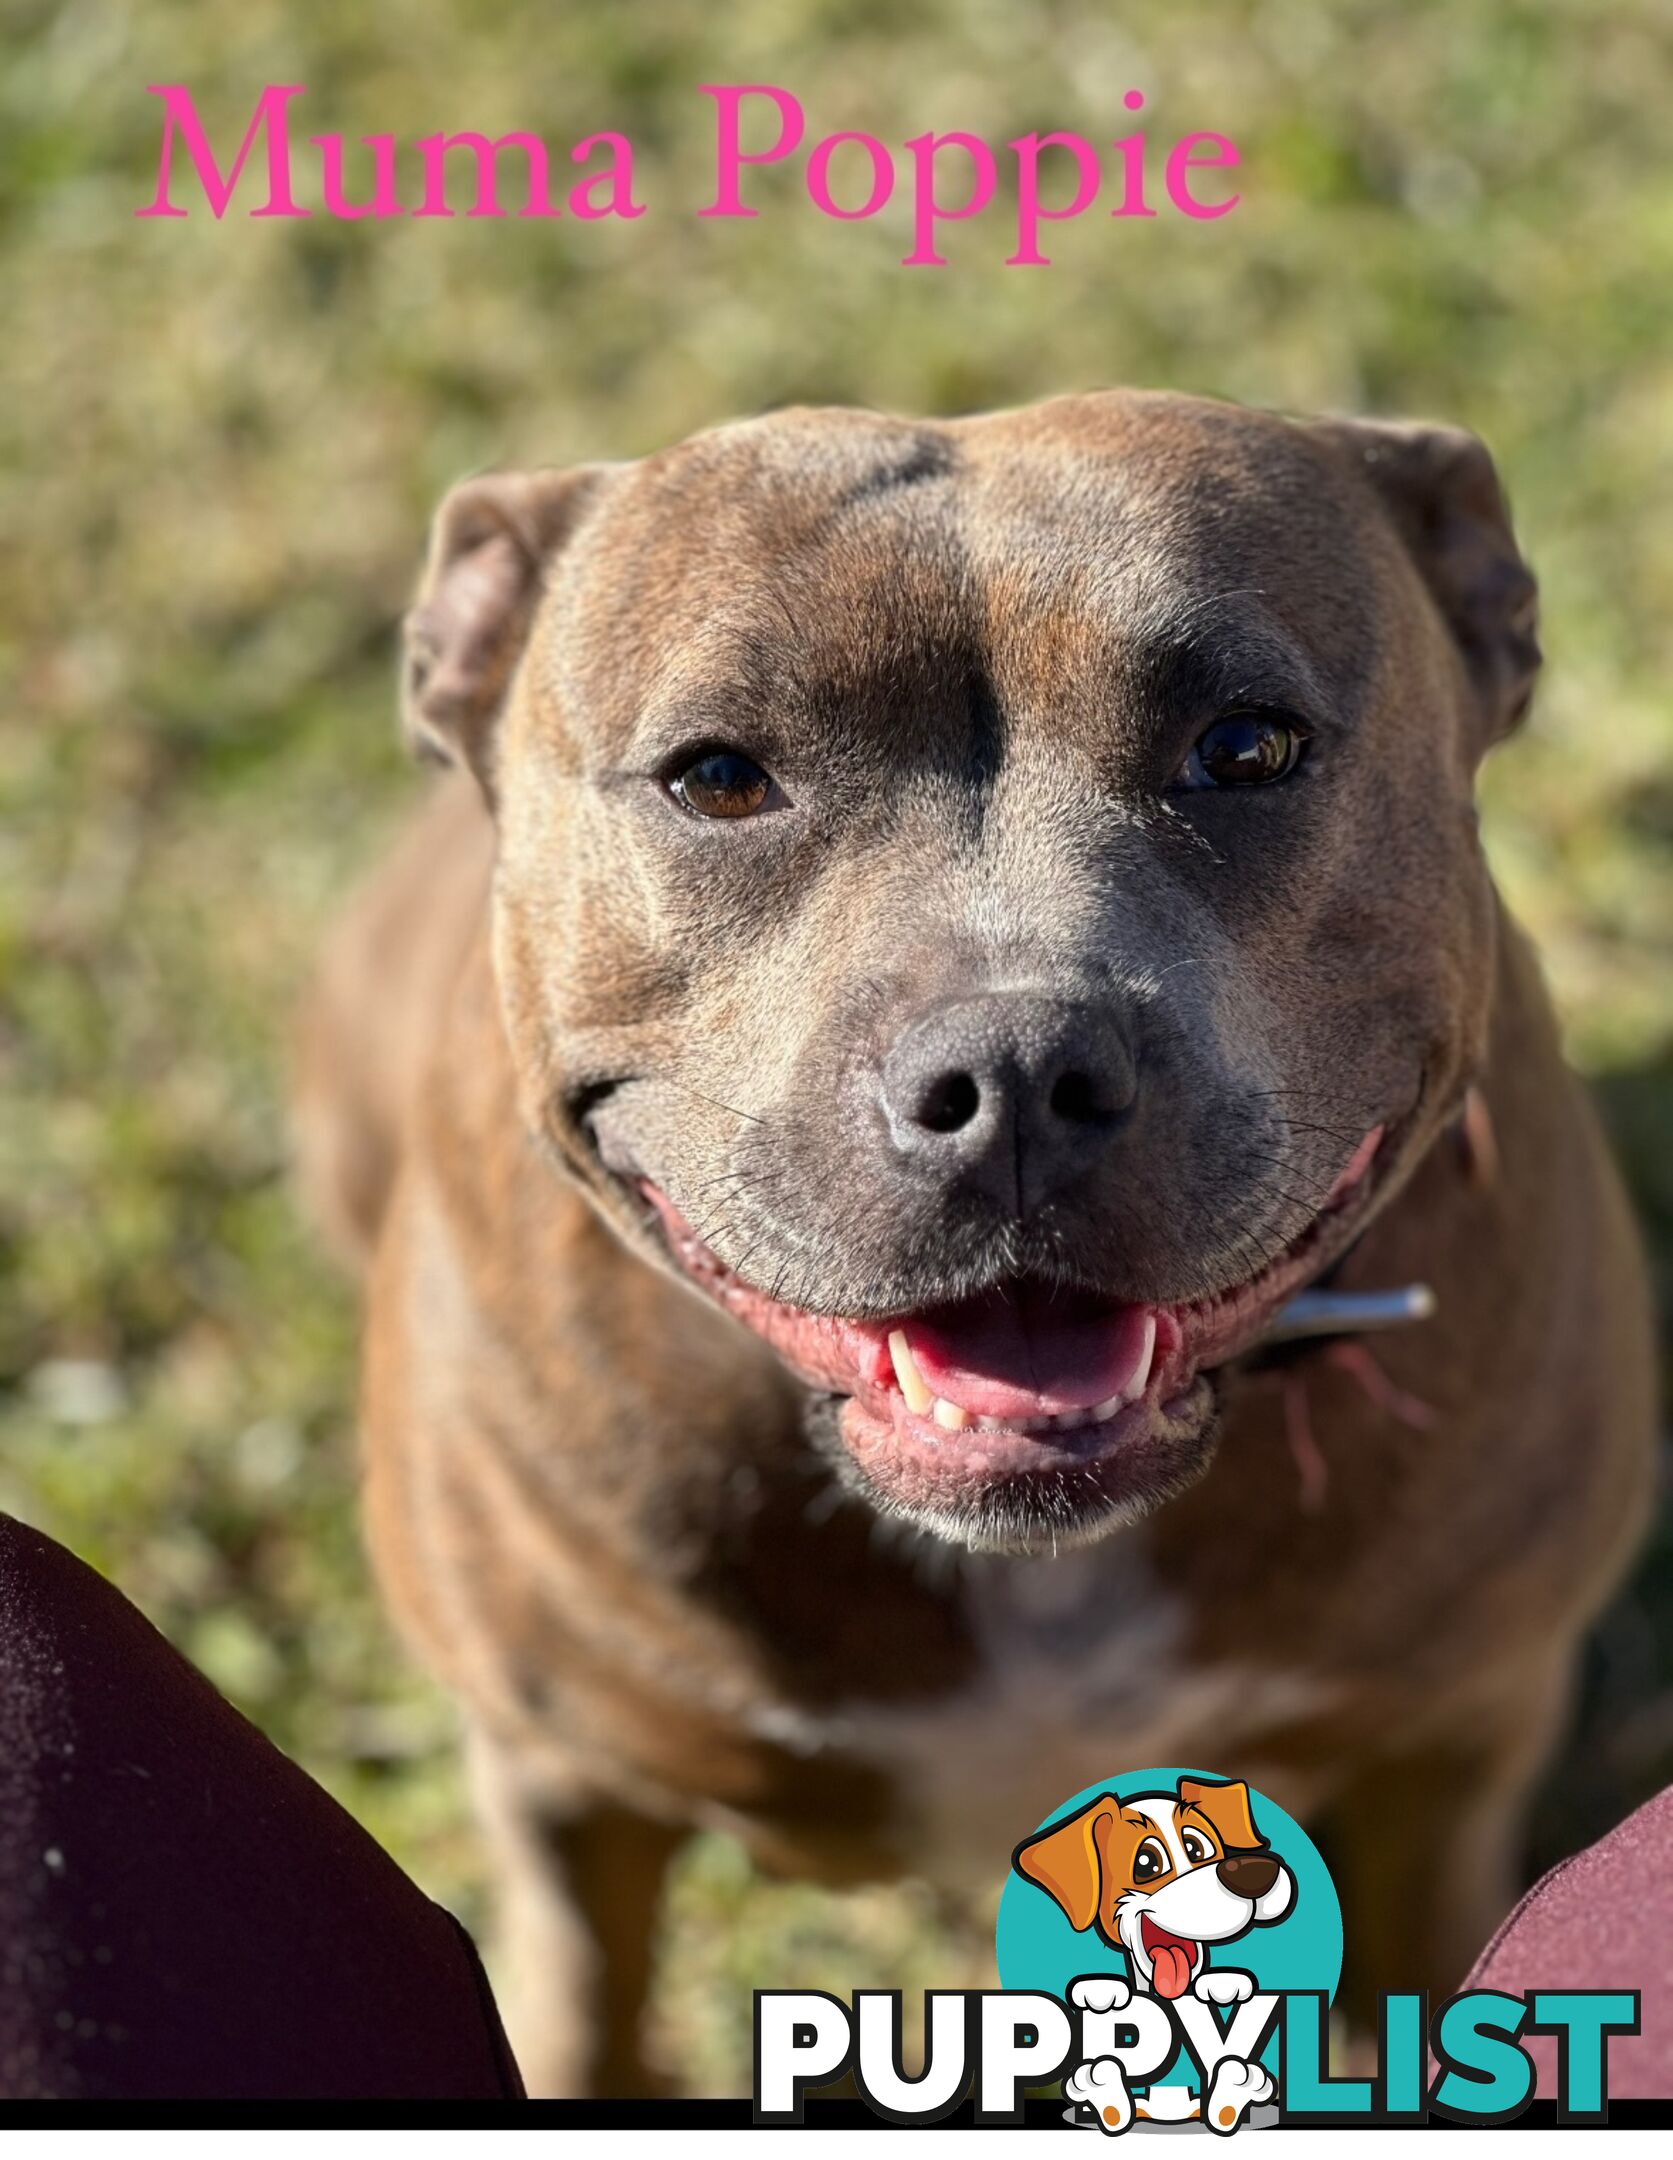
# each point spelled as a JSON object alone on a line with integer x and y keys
{"x": 943, "y": 929}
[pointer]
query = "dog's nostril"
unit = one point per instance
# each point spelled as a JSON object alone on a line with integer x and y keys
{"x": 1011, "y": 1091}
{"x": 949, "y": 1103}
{"x": 1076, "y": 1099}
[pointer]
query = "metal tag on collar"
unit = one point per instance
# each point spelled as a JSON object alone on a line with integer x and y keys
{"x": 1348, "y": 1312}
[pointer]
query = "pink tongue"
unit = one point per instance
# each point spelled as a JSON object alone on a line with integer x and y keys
{"x": 1028, "y": 1352}
{"x": 1171, "y": 1964}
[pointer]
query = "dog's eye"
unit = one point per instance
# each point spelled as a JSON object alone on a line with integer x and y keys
{"x": 1196, "y": 1847}
{"x": 1149, "y": 1861}
{"x": 722, "y": 784}
{"x": 1246, "y": 749}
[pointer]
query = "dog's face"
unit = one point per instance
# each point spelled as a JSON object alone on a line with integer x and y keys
{"x": 1162, "y": 1876}
{"x": 994, "y": 904}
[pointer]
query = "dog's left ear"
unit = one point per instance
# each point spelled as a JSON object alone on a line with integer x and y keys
{"x": 1227, "y": 1808}
{"x": 1440, "y": 488}
{"x": 490, "y": 544}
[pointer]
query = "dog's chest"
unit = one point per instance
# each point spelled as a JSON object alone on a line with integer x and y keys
{"x": 1083, "y": 1674}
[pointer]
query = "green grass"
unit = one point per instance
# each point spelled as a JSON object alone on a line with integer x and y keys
{"x": 218, "y": 446}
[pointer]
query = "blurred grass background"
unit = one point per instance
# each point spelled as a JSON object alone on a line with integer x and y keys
{"x": 218, "y": 448}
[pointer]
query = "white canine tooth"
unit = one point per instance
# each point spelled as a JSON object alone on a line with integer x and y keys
{"x": 991, "y": 1424}
{"x": 1103, "y": 1411}
{"x": 949, "y": 1416}
{"x": 918, "y": 1397}
{"x": 1141, "y": 1371}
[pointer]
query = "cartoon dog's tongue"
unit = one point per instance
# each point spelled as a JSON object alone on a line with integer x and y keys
{"x": 1173, "y": 1969}
{"x": 1170, "y": 1960}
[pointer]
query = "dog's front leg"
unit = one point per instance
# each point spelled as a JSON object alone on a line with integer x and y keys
{"x": 578, "y": 1894}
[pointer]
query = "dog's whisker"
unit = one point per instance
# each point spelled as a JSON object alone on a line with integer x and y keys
{"x": 1288, "y": 1166}
{"x": 715, "y": 1102}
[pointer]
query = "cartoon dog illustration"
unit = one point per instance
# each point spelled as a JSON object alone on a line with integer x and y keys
{"x": 1163, "y": 1876}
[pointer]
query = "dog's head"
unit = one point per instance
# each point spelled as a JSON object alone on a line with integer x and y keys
{"x": 1162, "y": 1876}
{"x": 994, "y": 904}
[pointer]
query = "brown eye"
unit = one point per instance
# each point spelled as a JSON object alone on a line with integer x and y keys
{"x": 1149, "y": 1862}
{"x": 722, "y": 784}
{"x": 1244, "y": 750}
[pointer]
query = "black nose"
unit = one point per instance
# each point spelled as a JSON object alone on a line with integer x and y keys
{"x": 1248, "y": 1874}
{"x": 1016, "y": 1091}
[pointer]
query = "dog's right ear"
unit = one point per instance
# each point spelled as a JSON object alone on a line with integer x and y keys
{"x": 490, "y": 545}
{"x": 1067, "y": 1860}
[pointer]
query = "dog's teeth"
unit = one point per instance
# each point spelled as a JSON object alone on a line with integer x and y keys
{"x": 1141, "y": 1370}
{"x": 918, "y": 1397}
{"x": 1063, "y": 1421}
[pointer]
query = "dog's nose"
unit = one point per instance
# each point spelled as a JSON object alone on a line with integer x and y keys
{"x": 1248, "y": 1874}
{"x": 1015, "y": 1090}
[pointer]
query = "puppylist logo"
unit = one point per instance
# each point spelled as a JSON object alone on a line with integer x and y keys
{"x": 1169, "y": 1943}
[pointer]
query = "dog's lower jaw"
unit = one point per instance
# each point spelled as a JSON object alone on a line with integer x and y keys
{"x": 1025, "y": 1417}
{"x": 1043, "y": 1512}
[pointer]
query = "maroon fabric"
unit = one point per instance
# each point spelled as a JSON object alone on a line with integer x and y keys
{"x": 1602, "y": 1920}
{"x": 183, "y": 1913}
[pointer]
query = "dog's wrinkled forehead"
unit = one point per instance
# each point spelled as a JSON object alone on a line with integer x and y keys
{"x": 1075, "y": 567}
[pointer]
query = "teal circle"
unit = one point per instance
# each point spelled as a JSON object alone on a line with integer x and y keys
{"x": 1038, "y": 1949}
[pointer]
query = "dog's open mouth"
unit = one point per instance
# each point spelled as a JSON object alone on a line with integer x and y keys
{"x": 1031, "y": 1412}
{"x": 1173, "y": 1958}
